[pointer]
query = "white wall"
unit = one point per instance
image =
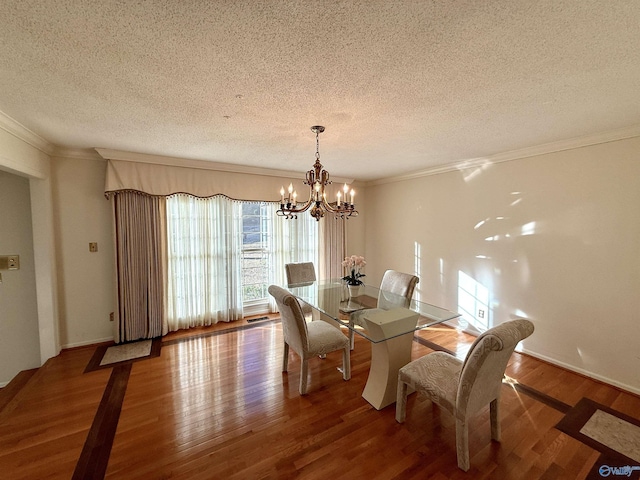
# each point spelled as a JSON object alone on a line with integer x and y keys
{"x": 19, "y": 339}
{"x": 560, "y": 244}
{"x": 82, "y": 215}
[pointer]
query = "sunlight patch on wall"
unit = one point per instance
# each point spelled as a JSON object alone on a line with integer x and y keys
{"x": 480, "y": 223}
{"x": 517, "y": 200}
{"x": 470, "y": 172}
{"x": 528, "y": 228}
{"x": 473, "y": 301}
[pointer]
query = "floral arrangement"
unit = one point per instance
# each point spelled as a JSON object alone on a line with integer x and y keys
{"x": 354, "y": 263}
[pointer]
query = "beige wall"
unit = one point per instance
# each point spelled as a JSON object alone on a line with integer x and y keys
{"x": 555, "y": 238}
{"x": 82, "y": 215}
{"x": 19, "y": 339}
{"x": 356, "y": 226}
{"x": 23, "y": 153}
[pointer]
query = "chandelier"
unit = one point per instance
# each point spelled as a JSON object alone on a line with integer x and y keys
{"x": 317, "y": 178}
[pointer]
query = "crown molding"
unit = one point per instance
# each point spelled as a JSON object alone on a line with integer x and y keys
{"x": 483, "y": 162}
{"x": 21, "y": 132}
{"x": 77, "y": 153}
{"x": 110, "y": 154}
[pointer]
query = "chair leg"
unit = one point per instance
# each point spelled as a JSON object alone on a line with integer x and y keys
{"x": 351, "y": 337}
{"x": 462, "y": 444}
{"x": 346, "y": 363}
{"x": 401, "y": 402}
{"x": 285, "y": 358}
{"x": 494, "y": 415}
{"x": 303, "y": 376}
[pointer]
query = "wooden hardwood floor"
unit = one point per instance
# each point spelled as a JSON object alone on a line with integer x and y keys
{"x": 215, "y": 404}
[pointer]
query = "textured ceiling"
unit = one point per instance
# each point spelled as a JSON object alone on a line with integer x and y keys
{"x": 400, "y": 86}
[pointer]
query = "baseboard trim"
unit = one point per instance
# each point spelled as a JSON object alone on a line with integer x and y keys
{"x": 572, "y": 368}
{"x": 87, "y": 343}
{"x": 583, "y": 372}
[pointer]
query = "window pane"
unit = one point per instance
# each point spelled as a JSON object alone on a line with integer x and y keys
{"x": 255, "y": 253}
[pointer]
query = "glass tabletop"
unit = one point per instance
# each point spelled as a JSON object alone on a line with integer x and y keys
{"x": 392, "y": 314}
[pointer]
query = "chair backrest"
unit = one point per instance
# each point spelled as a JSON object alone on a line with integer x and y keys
{"x": 483, "y": 368}
{"x": 294, "y": 326}
{"x": 300, "y": 273}
{"x": 401, "y": 284}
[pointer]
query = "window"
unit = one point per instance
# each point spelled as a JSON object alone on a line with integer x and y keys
{"x": 223, "y": 254}
{"x": 256, "y": 257}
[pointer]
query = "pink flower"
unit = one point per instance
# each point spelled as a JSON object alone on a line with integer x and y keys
{"x": 354, "y": 261}
{"x": 354, "y": 264}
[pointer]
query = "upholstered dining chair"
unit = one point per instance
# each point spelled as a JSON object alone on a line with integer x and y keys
{"x": 308, "y": 339}
{"x": 401, "y": 285}
{"x": 302, "y": 274}
{"x": 465, "y": 387}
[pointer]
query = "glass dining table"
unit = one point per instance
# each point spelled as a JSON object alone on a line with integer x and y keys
{"x": 386, "y": 319}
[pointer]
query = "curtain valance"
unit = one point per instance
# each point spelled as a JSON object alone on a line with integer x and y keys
{"x": 163, "y": 180}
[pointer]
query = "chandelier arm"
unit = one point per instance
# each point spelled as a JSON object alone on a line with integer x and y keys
{"x": 343, "y": 210}
{"x": 295, "y": 209}
{"x": 327, "y": 206}
{"x": 310, "y": 177}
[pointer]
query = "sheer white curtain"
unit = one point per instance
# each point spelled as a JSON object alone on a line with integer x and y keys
{"x": 293, "y": 241}
{"x": 204, "y": 284}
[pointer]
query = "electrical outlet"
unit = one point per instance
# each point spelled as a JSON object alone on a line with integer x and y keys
{"x": 10, "y": 262}
{"x": 480, "y": 313}
{"x": 93, "y": 247}
{"x": 14, "y": 262}
{"x": 111, "y": 316}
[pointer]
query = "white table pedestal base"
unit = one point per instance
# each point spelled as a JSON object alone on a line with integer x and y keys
{"x": 389, "y": 356}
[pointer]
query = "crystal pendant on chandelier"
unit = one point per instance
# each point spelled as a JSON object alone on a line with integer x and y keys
{"x": 317, "y": 178}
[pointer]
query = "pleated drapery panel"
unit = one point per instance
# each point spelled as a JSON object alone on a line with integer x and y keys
{"x": 333, "y": 241}
{"x": 140, "y": 222}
